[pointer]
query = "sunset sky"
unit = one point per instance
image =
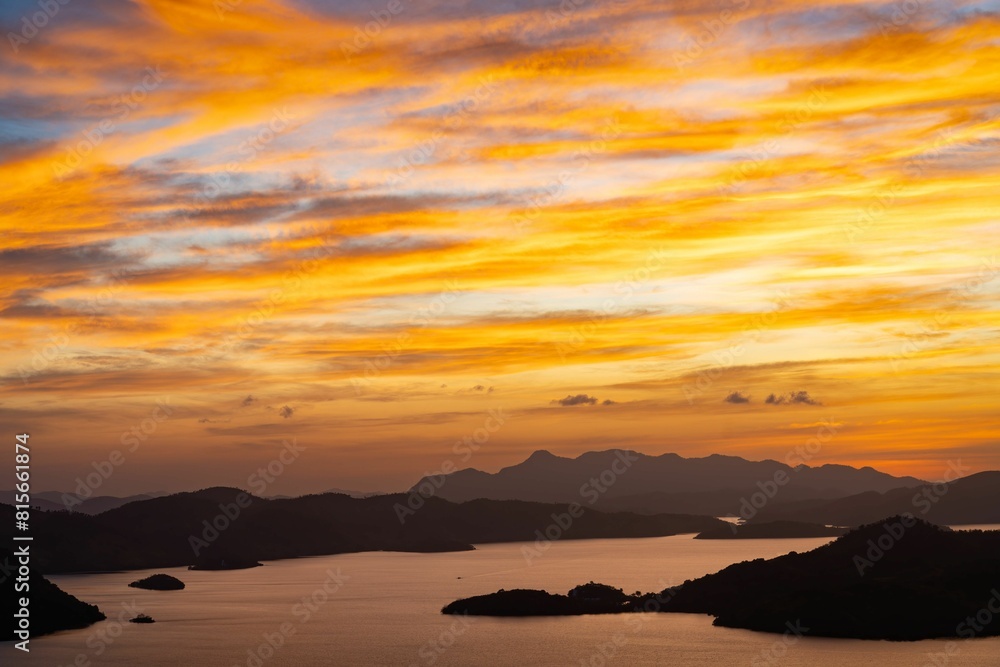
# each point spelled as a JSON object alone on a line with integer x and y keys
{"x": 365, "y": 225}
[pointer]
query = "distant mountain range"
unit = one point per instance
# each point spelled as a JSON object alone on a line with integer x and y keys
{"x": 714, "y": 485}
{"x": 622, "y": 493}
{"x": 53, "y": 501}
{"x": 212, "y": 526}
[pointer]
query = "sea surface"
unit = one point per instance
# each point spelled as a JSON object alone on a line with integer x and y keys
{"x": 384, "y": 609}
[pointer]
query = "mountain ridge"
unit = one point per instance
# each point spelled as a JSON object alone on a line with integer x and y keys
{"x": 974, "y": 499}
{"x": 220, "y": 523}
{"x": 547, "y": 477}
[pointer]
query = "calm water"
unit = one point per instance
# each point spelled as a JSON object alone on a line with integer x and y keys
{"x": 386, "y": 612}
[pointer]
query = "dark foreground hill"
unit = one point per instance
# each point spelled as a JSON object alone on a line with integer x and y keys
{"x": 49, "y": 608}
{"x": 220, "y": 524}
{"x": 898, "y": 579}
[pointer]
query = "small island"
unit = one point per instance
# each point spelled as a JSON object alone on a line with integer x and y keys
{"x": 769, "y": 530}
{"x": 142, "y": 618}
{"x": 159, "y": 582}
{"x": 901, "y": 579}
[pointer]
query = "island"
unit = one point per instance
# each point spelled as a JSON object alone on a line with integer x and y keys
{"x": 590, "y": 598}
{"x": 142, "y": 618}
{"x": 899, "y": 579}
{"x": 769, "y": 530}
{"x": 159, "y": 582}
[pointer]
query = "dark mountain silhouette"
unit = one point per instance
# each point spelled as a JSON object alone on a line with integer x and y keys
{"x": 230, "y": 525}
{"x": 898, "y": 579}
{"x": 714, "y": 485}
{"x": 970, "y": 500}
{"x": 769, "y": 530}
{"x": 51, "y": 609}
